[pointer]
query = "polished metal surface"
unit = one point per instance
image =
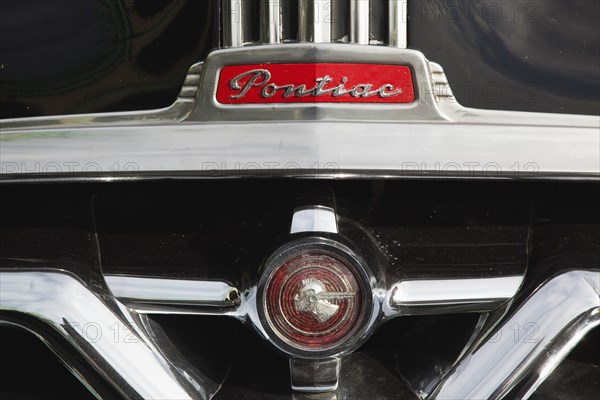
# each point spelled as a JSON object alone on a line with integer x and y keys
{"x": 432, "y": 136}
{"x": 398, "y": 23}
{"x": 233, "y": 29}
{"x": 427, "y": 106}
{"x": 314, "y": 219}
{"x": 549, "y": 323}
{"x": 314, "y": 21}
{"x": 270, "y": 21}
{"x": 87, "y": 320}
{"x": 177, "y": 112}
{"x": 528, "y": 344}
{"x": 359, "y": 21}
{"x": 314, "y": 375}
{"x": 424, "y": 108}
{"x": 314, "y": 299}
{"x": 425, "y": 296}
{"x": 160, "y": 291}
{"x": 316, "y": 149}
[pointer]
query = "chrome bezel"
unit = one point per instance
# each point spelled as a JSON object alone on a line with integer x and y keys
{"x": 364, "y": 277}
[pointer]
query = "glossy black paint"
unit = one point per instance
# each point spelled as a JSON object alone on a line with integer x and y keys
{"x": 80, "y": 56}
{"x": 524, "y": 55}
{"x": 206, "y": 229}
{"x": 83, "y": 56}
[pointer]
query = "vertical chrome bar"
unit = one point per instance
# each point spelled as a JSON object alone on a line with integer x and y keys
{"x": 359, "y": 21}
{"x": 270, "y": 20}
{"x": 314, "y": 23}
{"x": 322, "y": 21}
{"x": 233, "y": 33}
{"x": 398, "y": 23}
{"x": 305, "y": 15}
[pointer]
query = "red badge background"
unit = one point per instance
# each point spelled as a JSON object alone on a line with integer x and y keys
{"x": 305, "y": 74}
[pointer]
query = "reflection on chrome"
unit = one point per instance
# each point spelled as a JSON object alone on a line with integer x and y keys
{"x": 552, "y": 320}
{"x": 416, "y": 296}
{"x": 131, "y": 363}
{"x": 314, "y": 219}
{"x": 172, "y": 291}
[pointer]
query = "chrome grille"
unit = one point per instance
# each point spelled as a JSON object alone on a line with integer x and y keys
{"x": 318, "y": 21}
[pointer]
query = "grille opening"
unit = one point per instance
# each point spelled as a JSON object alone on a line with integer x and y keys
{"x": 259, "y": 372}
{"x": 289, "y": 20}
{"x": 378, "y": 22}
{"x": 54, "y": 222}
{"x": 31, "y": 371}
{"x": 205, "y": 342}
{"x": 417, "y": 349}
{"x": 340, "y": 21}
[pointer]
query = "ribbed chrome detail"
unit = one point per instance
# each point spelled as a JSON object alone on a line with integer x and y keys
{"x": 318, "y": 21}
{"x": 441, "y": 87}
{"x": 189, "y": 90}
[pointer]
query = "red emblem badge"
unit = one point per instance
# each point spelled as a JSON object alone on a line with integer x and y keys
{"x": 315, "y": 83}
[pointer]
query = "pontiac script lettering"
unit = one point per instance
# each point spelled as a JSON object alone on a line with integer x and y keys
{"x": 281, "y": 83}
{"x": 260, "y": 79}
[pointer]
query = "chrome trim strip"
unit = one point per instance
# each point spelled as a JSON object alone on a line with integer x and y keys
{"x": 233, "y": 29}
{"x": 133, "y": 365}
{"x": 270, "y": 22}
{"x": 434, "y": 136}
{"x": 315, "y": 376}
{"x": 427, "y": 293}
{"x": 359, "y": 21}
{"x": 314, "y": 219}
{"x": 162, "y": 291}
{"x": 314, "y": 21}
{"x": 318, "y": 149}
{"x": 547, "y": 327}
{"x": 398, "y": 23}
{"x": 177, "y": 112}
{"x": 322, "y": 21}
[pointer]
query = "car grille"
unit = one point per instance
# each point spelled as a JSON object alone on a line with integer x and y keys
{"x": 166, "y": 272}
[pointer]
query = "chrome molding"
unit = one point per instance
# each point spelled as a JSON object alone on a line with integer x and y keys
{"x": 270, "y": 22}
{"x": 233, "y": 29}
{"x": 314, "y": 219}
{"x": 160, "y": 291}
{"x": 553, "y": 320}
{"x": 359, "y": 22}
{"x": 314, "y": 376}
{"x": 318, "y": 149}
{"x": 314, "y": 21}
{"x": 134, "y": 364}
{"x": 177, "y": 112}
{"x": 398, "y": 23}
{"x": 433, "y": 136}
{"x": 412, "y": 297}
